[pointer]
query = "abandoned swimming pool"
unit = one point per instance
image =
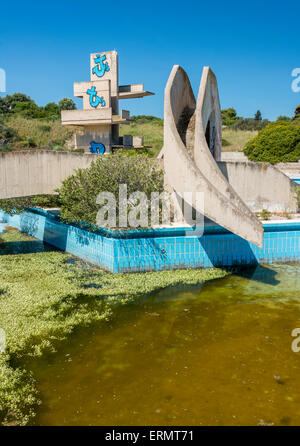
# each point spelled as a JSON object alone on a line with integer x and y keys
{"x": 219, "y": 354}
{"x": 160, "y": 249}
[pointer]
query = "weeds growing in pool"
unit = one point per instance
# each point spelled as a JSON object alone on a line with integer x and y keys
{"x": 45, "y": 295}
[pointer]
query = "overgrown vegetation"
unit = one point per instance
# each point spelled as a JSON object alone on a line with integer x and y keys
{"x": 229, "y": 116}
{"x": 35, "y": 134}
{"x": 278, "y": 142}
{"x": 250, "y": 124}
{"x": 24, "y": 125}
{"x": 23, "y": 105}
{"x": 265, "y": 214}
{"x": 17, "y": 205}
{"x": 236, "y": 139}
{"x": 78, "y": 193}
{"x": 151, "y": 128}
{"x": 45, "y": 295}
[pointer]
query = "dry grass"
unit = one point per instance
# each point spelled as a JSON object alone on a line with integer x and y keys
{"x": 237, "y": 139}
{"x": 151, "y": 131}
{"x": 51, "y": 134}
{"x": 153, "y": 136}
{"x": 42, "y": 132}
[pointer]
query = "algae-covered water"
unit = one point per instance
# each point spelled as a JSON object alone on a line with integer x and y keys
{"x": 219, "y": 354}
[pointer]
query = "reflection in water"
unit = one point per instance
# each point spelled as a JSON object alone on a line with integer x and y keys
{"x": 219, "y": 354}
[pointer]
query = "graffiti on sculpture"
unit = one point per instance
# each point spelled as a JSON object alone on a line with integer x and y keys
{"x": 94, "y": 99}
{"x": 97, "y": 147}
{"x": 101, "y": 66}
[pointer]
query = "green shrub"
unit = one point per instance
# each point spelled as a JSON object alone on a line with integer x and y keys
{"x": 283, "y": 118}
{"x": 17, "y": 205}
{"x": 8, "y": 135}
{"x": 45, "y": 201}
{"x": 44, "y": 128}
{"x": 79, "y": 192}
{"x": 31, "y": 142}
{"x": 143, "y": 119}
{"x": 229, "y": 116}
{"x": 66, "y": 104}
{"x": 77, "y": 150}
{"x": 265, "y": 214}
{"x": 225, "y": 143}
{"x": 278, "y": 142}
{"x": 250, "y": 124}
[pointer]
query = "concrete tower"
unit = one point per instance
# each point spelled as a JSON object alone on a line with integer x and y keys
{"x": 100, "y": 117}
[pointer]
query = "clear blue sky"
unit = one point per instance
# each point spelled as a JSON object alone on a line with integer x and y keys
{"x": 251, "y": 46}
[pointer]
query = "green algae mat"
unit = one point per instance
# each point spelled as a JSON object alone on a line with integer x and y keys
{"x": 44, "y": 296}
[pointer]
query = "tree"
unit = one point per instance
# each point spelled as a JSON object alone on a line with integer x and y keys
{"x": 249, "y": 124}
{"x": 278, "y": 142}
{"x": 15, "y": 99}
{"x": 283, "y": 118}
{"x": 30, "y": 110}
{"x": 3, "y": 106}
{"x": 67, "y": 104}
{"x": 258, "y": 116}
{"x": 297, "y": 112}
{"x": 52, "y": 109}
{"x": 229, "y": 116}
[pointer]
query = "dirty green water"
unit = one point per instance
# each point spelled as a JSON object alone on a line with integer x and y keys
{"x": 219, "y": 354}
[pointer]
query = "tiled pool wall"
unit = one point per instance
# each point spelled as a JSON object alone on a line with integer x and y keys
{"x": 163, "y": 249}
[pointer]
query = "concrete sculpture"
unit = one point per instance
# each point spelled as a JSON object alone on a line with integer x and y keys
{"x": 192, "y": 147}
{"x": 100, "y": 117}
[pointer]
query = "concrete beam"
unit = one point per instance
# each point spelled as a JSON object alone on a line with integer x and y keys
{"x": 87, "y": 117}
{"x": 133, "y": 91}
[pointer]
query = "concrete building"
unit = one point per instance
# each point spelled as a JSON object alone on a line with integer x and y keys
{"x": 100, "y": 118}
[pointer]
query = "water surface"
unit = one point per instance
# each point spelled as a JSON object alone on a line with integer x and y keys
{"x": 219, "y": 354}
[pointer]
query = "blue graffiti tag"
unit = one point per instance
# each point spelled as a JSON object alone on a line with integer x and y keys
{"x": 94, "y": 99}
{"x": 101, "y": 67}
{"x": 97, "y": 147}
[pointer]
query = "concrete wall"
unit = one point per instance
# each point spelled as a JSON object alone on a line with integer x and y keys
{"x": 261, "y": 186}
{"x": 37, "y": 172}
{"x": 233, "y": 156}
{"x": 292, "y": 170}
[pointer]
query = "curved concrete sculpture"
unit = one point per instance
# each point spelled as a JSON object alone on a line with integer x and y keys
{"x": 192, "y": 144}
